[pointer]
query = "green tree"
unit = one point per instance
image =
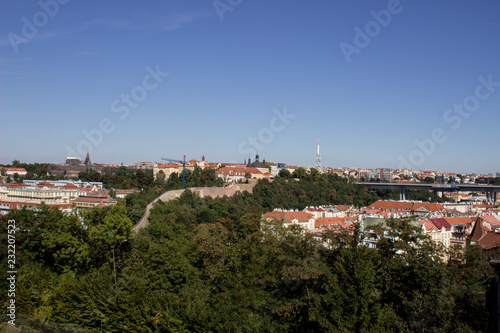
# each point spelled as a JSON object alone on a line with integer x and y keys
{"x": 212, "y": 242}
{"x": 299, "y": 173}
{"x": 66, "y": 246}
{"x": 314, "y": 175}
{"x": 110, "y": 235}
{"x": 284, "y": 173}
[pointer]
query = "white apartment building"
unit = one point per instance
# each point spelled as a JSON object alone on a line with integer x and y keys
{"x": 35, "y": 194}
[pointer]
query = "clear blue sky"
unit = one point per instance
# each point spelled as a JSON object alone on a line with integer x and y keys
{"x": 230, "y": 69}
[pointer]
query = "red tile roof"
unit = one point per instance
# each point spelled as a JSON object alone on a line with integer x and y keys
{"x": 460, "y": 220}
{"x": 16, "y": 169}
{"x": 433, "y": 207}
{"x": 490, "y": 241}
{"x": 44, "y": 184}
{"x": 441, "y": 223}
{"x": 406, "y": 205}
{"x": 343, "y": 207}
{"x": 428, "y": 225}
{"x": 299, "y": 216}
{"x": 168, "y": 166}
{"x": 330, "y": 221}
{"x": 491, "y": 220}
{"x": 388, "y": 205}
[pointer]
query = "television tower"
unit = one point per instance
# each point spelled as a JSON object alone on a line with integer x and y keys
{"x": 318, "y": 158}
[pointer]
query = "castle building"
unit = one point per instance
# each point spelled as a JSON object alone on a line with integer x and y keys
{"x": 257, "y": 163}
{"x": 261, "y": 166}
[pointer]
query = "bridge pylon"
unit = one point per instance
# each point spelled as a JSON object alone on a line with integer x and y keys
{"x": 404, "y": 194}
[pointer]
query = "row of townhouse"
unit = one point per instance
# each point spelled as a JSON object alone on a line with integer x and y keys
{"x": 450, "y": 231}
{"x": 349, "y": 214}
{"x": 313, "y": 217}
{"x": 317, "y": 226}
{"x": 403, "y": 174}
{"x": 169, "y": 168}
{"x": 431, "y": 218}
{"x": 414, "y": 208}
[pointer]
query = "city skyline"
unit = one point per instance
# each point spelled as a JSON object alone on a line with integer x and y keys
{"x": 71, "y": 160}
{"x": 382, "y": 84}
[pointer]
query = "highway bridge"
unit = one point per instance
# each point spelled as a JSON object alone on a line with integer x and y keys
{"x": 405, "y": 188}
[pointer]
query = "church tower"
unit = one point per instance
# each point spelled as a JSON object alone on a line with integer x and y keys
{"x": 87, "y": 160}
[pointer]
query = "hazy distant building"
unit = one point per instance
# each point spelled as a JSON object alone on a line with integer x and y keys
{"x": 257, "y": 163}
{"x": 73, "y": 161}
{"x": 387, "y": 175}
{"x": 87, "y": 160}
{"x": 261, "y": 166}
{"x": 72, "y": 168}
{"x": 235, "y": 174}
{"x": 13, "y": 171}
{"x": 144, "y": 165}
{"x": 93, "y": 201}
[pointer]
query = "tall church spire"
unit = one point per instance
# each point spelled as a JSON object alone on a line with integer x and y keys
{"x": 87, "y": 160}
